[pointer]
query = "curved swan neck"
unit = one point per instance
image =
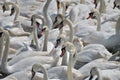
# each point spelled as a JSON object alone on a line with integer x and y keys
{"x": 16, "y": 8}
{"x": 35, "y": 36}
{"x": 35, "y": 16}
{"x": 45, "y": 40}
{"x": 48, "y": 20}
{"x": 117, "y": 27}
{"x": 102, "y": 8}
{"x": 99, "y": 74}
{"x": 69, "y": 71}
{"x": 45, "y": 77}
{"x": 70, "y": 24}
{"x": 98, "y": 20}
{"x": 6, "y": 50}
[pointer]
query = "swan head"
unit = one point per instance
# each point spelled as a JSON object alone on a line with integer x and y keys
{"x": 60, "y": 40}
{"x": 58, "y": 23}
{"x": 78, "y": 44}
{"x": 5, "y": 7}
{"x": 93, "y": 14}
{"x": 68, "y": 46}
{"x": 12, "y": 11}
{"x": 116, "y": 4}
{"x": 35, "y": 68}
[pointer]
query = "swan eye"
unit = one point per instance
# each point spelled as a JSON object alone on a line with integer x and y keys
{"x": 12, "y": 11}
{"x": 91, "y": 14}
{"x": 1, "y": 34}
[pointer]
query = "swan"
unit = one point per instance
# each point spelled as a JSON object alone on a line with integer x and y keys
{"x": 102, "y": 7}
{"x": 16, "y": 22}
{"x": 98, "y": 36}
{"x": 37, "y": 67}
{"x": 100, "y": 63}
{"x": 66, "y": 72}
{"x": 23, "y": 64}
{"x": 64, "y": 22}
{"x": 103, "y": 74}
{"x": 52, "y": 36}
{"x": 30, "y": 75}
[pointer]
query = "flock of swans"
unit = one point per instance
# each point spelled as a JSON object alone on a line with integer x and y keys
{"x": 59, "y": 40}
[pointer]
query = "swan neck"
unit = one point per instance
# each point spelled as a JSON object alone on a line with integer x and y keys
{"x": 48, "y": 20}
{"x": 98, "y": 22}
{"x": 99, "y": 74}
{"x": 16, "y": 8}
{"x": 64, "y": 59}
{"x": 102, "y": 7}
{"x": 45, "y": 40}
{"x": 1, "y": 47}
{"x": 6, "y": 50}
{"x": 35, "y": 37}
{"x": 70, "y": 24}
{"x": 69, "y": 69}
{"x": 40, "y": 17}
{"x": 117, "y": 27}
{"x": 63, "y": 11}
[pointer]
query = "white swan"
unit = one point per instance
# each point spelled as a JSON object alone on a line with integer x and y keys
{"x": 37, "y": 67}
{"x": 16, "y": 22}
{"x": 66, "y": 72}
{"x": 99, "y": 74}
{"x": 101, "y": 34}
{"x": 100, "y": 63}
{"x": 23, "y": 64}
{"x": 30, "y": 75}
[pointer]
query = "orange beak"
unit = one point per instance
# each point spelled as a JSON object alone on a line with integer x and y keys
{"x": 89, "y": 17}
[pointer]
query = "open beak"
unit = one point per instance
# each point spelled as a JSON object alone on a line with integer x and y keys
{"x": 1, "y": 34}
{"x": 12, "y": 11}
{"x": 63, "y": 51}
{"x": 58, "y": 5}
